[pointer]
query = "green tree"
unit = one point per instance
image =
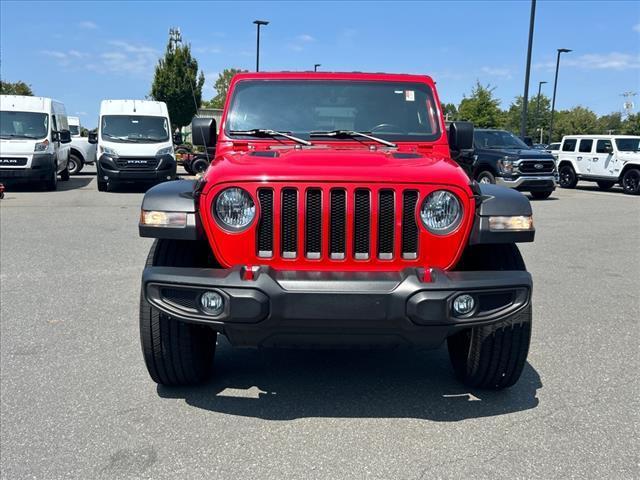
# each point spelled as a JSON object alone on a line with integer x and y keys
{"x": 177, "y": 83}
{"x": 631, "y": 125}
{"x": 610, "y": 123}
{"x": 222, "y": 87}
{"x": 449, "y": 111}
{"x": 578, "y": 120}
{"x": 481, "y": 107}
{"x": 535, "y": 121}
{"x": 15, "y": 88}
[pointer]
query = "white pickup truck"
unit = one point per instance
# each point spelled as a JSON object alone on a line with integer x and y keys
{"x": 82, "y": 152}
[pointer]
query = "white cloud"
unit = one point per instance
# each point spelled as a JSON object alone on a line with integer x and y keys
{"x": 636, "y": 27}
{"x": 126, "y": 58}
{"x": 88, "y": 25}
{"x": 497, "y": 72}
{"x": 54, "y": 54}
{"x": 213, "y": 50}
{"x": 306, "y": 38}
{"x": 294, "y": 47}
{"x": 596, "y": 61}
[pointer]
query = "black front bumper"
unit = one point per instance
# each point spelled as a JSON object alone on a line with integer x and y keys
{"x": 166, "y": 170}
{"x": 266, "y": 307}
{"x": 41, "y": 167}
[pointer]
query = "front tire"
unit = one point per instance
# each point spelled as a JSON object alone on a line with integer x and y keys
{"x": 568, "y": 177}
{"x": 631, "y": 181}
{"x": 52, "y": 183}
{"x": 486, "y": 176}
{"x": 175, "y": 353}
{"x": 492, "y": 356}
{"x": 541, "y": 195}
{"x": 75, "y": 164}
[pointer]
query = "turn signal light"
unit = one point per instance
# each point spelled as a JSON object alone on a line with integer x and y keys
{"x": 156, "y": 218}
{"x": 517, "y": 223}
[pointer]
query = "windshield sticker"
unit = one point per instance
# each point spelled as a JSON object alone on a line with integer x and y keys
{"x": 410, "y": 95}
{"x": 399, "y": 91}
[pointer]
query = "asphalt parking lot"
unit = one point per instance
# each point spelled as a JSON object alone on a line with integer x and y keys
{"x": 76, "y": 400}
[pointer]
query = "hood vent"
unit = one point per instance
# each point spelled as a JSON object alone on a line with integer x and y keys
{"x": 265, "y": 153}
{"x": 406, "y": 155}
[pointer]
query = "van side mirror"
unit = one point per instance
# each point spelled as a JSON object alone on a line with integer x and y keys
{"x": 92, "y": 137}
{"x": 460, "y": 136}
{"x": 64, "y": 136}
{"x": 204, "y": 132}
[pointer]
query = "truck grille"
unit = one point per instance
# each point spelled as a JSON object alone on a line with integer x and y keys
{"x": 532, "y": 166}
{"x": 338, "y": 224}
{"x": 132, "y": 163}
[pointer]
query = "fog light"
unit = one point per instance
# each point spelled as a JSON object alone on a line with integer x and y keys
{"x": 212, "y": 303}
{"x": 463, "y": 304}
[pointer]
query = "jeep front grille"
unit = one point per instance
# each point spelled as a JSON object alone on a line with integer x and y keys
{"x": 338, "y": 224}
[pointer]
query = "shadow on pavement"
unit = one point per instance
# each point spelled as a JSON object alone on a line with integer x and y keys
{"x": 72, "y": 184}
{"x": 403, "y": 383}
{"x": 595, "y": 188}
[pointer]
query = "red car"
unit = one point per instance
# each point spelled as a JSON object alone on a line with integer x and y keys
{"x": 335, "y": 214}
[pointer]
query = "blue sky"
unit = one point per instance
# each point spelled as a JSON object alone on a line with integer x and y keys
{"x": 83, "y": 52}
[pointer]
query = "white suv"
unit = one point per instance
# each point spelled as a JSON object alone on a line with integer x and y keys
{"x": 605, "y": 159}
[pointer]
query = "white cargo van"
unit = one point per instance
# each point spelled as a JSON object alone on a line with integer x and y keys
{"x": 82, "y": 152}
{"x": 134, "y": 143}
{"x": 34, "y": 140}
{"x": 604, "y": 159}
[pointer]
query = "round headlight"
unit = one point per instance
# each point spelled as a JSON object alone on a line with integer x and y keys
{"x": 441, "y": 212}
{"x": 234, "y": 209}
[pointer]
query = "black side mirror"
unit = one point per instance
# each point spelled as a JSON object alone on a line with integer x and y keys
{"x": 204, "y": 132}
{"x": 460, "y": 136}
{"x": 93, "y": 137}
{"x": 64, "y": 136}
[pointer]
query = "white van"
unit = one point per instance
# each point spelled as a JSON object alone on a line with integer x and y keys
{"x": 604, "y": 159}
{"x": 134, "y": 143}
{"x": 82, "y": 152}
{"x": 34, "y": 140}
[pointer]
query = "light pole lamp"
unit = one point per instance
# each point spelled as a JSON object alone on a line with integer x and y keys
{"x": 315, "y": 66}
{"x": 555, "y": 87}
{"x": 538, "y": 103}
{"x": 258, "y": 24}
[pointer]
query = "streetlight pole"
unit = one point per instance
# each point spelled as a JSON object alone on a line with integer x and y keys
{"x": 555, "y": 86}
{"x": 538, "y": 104}
{"x": 525, "y": 97}
{"x": 315, "y": 66}
{"x": 258, "y": 23}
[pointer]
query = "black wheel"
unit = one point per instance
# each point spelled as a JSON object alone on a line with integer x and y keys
{"x": 64, "y": 175}
{"x": 631, "y": 181}
{"x": 75, "y": 164}
{"x": 485, "y": 176}
{"x": 52, "y": 183}
{"x": 176, "y": 353}
{"x": 102, "y": 186}
{"x": 492, "y": 356}
{"x": 602, "y": 185}
{"x": 187, "y": 168}
{"x": 568, "y": 177}
{"x": 199, "y": 165}
{"x": 541, "y": 195}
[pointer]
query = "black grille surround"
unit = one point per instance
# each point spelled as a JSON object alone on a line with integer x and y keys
{"x": 337, "y": 223}
{"x": 137, "y": 163}
{"x": 530, "y": 166}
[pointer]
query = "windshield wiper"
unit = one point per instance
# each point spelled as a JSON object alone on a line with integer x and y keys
{"x": 351, "y": 134}
{"x": 122, "y": 139}
{"x": 18, "y": 135}
{"x": 263, "y": 132}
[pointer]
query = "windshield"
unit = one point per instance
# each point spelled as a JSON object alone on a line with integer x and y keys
{"x": 75, "y": 130}
{"x": 497, "y": 139}
{"x": 23, "y": 124}
{"x": 628, "y": 144}
{"x": 134, "y": 129}
{"x": 390, "y": 110}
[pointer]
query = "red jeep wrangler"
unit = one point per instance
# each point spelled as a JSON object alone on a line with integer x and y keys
{"x": 335, "y": 215}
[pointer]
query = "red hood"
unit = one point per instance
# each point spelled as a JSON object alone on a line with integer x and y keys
{"x": 336, "y": 165}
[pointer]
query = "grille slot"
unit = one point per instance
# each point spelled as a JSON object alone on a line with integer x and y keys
{"x": 361, "y": 222}
{"x": 529, "y": 166}
{"x": 132, "y": 163}
{"x": 386, "y": 221}
{"x": 265, "y": 226}
{"x": 289, "y": 223}
{"x": 338, "y": 224}
{"x": 409, "y": 226}
{"x": 313, "y": 230}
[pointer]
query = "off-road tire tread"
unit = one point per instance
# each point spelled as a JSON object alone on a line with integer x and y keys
{"x": 176, "y": 353}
